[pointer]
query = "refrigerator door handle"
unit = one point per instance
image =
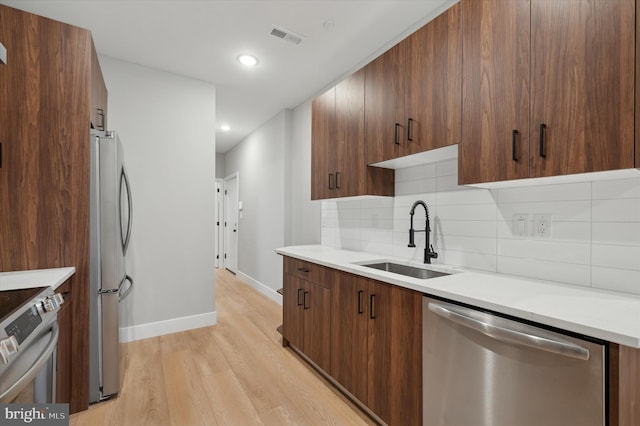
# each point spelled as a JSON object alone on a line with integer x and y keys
{"x": 126, "y": 238}
{"x": 128, "y": 291}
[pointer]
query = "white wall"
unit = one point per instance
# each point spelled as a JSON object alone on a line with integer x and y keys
{"x": 167, "y": 126}
{"x": 260, "y": 160}
{"x": 220, "y": 172}
{"x": 595, "y": 236}
{"x": 305, "y": 214}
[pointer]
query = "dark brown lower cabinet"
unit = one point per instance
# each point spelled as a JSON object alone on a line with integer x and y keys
{"x": 376, "y": 346}
{"x": 624, "y": 385}
{"x": 306, "y": 319}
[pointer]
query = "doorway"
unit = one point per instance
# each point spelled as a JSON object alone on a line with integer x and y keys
{"x": 231, "y": 230}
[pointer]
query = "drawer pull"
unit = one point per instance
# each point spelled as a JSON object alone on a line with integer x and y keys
{"x": 305, "y": 270}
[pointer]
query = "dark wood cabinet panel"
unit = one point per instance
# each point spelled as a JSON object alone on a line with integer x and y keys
{"x": 45, "y": 115}
{"x": 433, "y": 84}
{"x": 495, "y": 91}
{"x": 292, "y": 325}
{"x": 413, "y": 92}
{"x": 582, "y": 86}
{"x": 548, "y": 88}
{"x": 395, "y": 354}
{"x": 624, "y": 385}
{"x": 99, "y": 94}
{"x": 338, "y": 167}
{"x": 349, "y": 320}
{"x": 322, "y": 154}
{"x": 306, "y": 311}
{"x": 384, "y": 106}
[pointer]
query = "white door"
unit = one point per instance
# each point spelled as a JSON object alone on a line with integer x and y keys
{"x": 230, "y": 258}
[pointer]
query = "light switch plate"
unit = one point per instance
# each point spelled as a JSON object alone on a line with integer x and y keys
{"x": 3, "y": 54}
{"x": 520, "y": 224}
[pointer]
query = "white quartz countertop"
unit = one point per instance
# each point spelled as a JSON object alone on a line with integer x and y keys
{"x": 53, "y": 277}
{"x": 605, "y": 315}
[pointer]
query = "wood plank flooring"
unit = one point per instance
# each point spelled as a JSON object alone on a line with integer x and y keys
{"x": 233, "y": 373}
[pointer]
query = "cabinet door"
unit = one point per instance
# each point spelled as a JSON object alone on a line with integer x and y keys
{"x": 292, "y": 300}
{"x": 495, "y": 90}
{"x": 395, "y": 348}
{"x": 323, "y": 145}
{"x": 99, "y": 94}
{"x": 582, "y": 86}
{"x": 349, "y": 321}
{"x": 433, "y": 83}
{"x": 316, "y": 307}
{"x": 349, "y": 147}
{"x": 384, "y": 106}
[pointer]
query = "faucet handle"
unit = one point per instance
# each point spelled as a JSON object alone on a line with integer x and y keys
{"x": 432, "y": 253}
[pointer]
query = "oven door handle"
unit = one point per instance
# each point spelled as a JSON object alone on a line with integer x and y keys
{"x": 32, "y": 372}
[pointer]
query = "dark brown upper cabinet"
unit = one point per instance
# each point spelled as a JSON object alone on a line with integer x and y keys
{"x": 338, "y": 168}
{"x": 548, "y": 88}
{"x": 413, "y": 92}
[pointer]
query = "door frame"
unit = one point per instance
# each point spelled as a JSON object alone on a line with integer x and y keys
{"x": 225, "y": 264}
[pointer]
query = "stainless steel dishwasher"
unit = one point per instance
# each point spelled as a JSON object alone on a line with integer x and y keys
{"x": 484, "y": 370}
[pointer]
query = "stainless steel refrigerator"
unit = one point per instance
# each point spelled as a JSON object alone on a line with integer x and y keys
{"x": 110, "y": 231}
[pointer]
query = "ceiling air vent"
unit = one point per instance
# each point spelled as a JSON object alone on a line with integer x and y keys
{"x": 286, "y": 35}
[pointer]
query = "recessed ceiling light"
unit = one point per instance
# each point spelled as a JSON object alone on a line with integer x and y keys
{"x": 248, "y": 60}
{"x": 225, "y": 127}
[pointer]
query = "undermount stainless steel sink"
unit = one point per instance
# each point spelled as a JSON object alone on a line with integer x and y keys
{"x": 409, "y": 271}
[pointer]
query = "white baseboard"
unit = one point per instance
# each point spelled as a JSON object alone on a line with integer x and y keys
{"x": 264, "y": 289}
{"x": 159, "y": 328}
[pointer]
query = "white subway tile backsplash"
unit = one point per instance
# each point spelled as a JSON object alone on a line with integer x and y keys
{"x": 616, "y": 256}
{"x": 468, "y": 228}
{"x": 447, "y": 168}
{"x": 595, "y": 236}
{"x": 622, "y": 188}
{"x": 468, "y": 212}
{"x": 546, "y": 270}
{"x": 616, "y": 210}
{"x": 546, "y": 193}
{"x": 538, "y": 249}
{"x": 626, "y": 233}
{"x": 616, "y": 279}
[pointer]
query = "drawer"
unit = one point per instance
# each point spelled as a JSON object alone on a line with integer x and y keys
{"x": 308, "y": 271}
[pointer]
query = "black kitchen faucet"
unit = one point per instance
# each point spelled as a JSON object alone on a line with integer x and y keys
{"x": 428, "y": 251}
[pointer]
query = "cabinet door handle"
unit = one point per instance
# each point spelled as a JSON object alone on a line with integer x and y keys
{"x": 101, "y": 115}
{"x": 337, "y": 180}
{"x": 0, "y": 155}
{"x": 409, "y": 128}
{"x": 514, "y": 141}
{"x": 360, "y": 301}
{"x": 397, "y": 134}
{"x": 543, "y": 148}
{"x": 372, "y": 305}
{"x": 330, "y": 185}
{"x": 300, "y": 302}
{"x": 305, "y": 305}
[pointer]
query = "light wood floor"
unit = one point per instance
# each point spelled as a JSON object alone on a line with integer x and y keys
{"x": 233, "y": 373}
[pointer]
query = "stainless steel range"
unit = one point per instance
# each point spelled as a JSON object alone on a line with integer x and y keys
{"x": 28, "y": 342}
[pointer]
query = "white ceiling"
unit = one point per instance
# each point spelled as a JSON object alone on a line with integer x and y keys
{"x": 201, "y": 39}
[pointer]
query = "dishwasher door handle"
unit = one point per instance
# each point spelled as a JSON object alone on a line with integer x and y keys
{"x": 510, "y": 336}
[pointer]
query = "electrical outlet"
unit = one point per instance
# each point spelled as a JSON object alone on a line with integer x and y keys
{"x": 542, "y": 225}
{"x": 520, "y": 225}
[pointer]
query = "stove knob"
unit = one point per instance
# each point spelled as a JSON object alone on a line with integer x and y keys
{"x": 52, "y": 303}
{"x": 8, "y": 347}
{"x": 39, "y": 305}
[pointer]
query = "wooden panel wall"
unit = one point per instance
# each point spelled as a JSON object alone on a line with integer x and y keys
{"x": 44, "y": 181}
